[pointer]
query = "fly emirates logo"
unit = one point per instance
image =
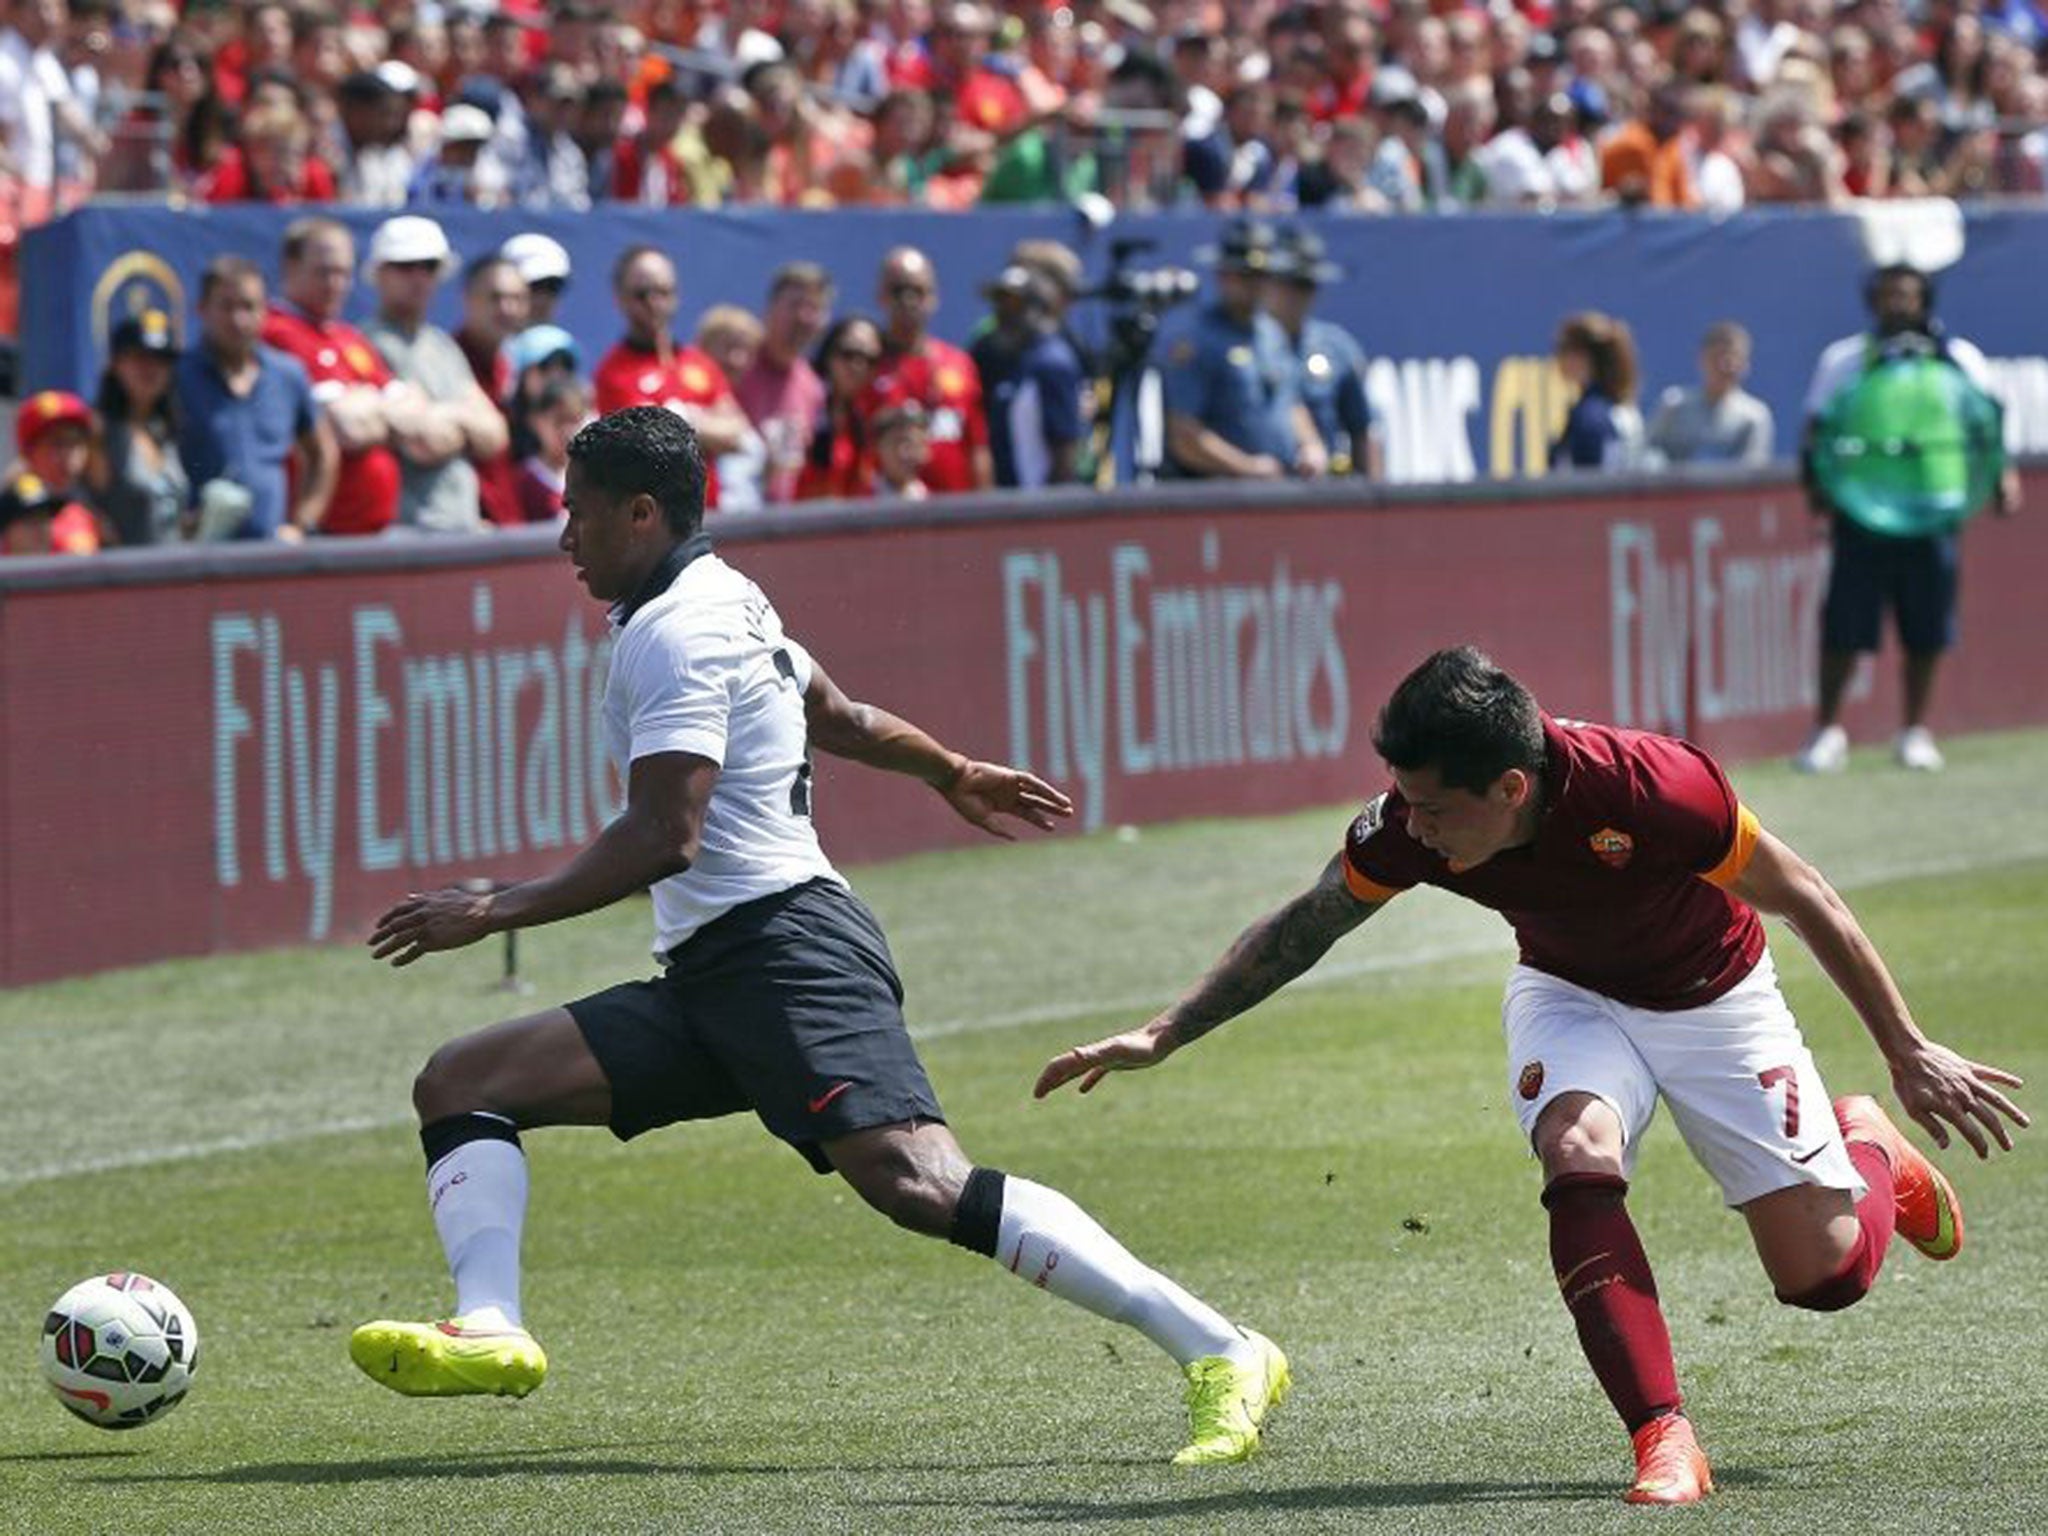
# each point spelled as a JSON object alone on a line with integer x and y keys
{"x": 1128, "y": 671}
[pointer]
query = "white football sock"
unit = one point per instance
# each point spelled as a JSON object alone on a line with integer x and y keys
{"x": 1051, "y": 1242}
{"x": 478, "y": 1197}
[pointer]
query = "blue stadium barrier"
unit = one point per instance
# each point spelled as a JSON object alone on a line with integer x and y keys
{"x": 1457, "y": 312}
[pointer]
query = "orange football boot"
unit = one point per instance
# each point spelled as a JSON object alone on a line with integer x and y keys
{"x": 1670, "y": 1466}
{"x": 1930, "y": 1216}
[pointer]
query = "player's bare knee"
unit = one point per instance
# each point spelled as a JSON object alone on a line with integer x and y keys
{"x": 1578, "y": 1133}
{"x": 442, "y": 1086}
{"x": 915, "y": 1191}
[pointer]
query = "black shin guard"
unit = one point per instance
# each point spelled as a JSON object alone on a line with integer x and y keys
{"x": 451, "y": 1131}
{"x": 978, "y": 1218}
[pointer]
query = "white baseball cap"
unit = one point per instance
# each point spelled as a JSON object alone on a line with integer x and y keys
{"x": 409, "y": 238}
{"x": 538, "y": 258}
{"x": 398, "y": 76}
{"x": 465, "y": 124}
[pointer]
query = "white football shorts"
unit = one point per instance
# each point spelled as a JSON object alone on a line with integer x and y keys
{"x": 1742, "y": 1086}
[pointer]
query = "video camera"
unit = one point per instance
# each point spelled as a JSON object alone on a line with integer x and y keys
{"x": 1146, "y": 288}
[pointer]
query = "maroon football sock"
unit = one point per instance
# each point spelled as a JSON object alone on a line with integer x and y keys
{"x": 1876, "y": 1214}
{"x": 1611, "y": 1294}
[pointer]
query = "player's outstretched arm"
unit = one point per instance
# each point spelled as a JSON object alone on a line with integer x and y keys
{"x": 1266, "y": 956}
{"x": 1937, "y": 1086}
{"x": 981, "y": 793}
{"x": 654, "y": 837}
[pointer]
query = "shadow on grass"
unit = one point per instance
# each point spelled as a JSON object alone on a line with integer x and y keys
{"x": 493, "y": 1464}
{"x": 1203, "y": 1508}
{"x": 114, "y": 1451}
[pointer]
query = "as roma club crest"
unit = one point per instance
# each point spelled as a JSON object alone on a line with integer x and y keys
{"x": 1530, "y": 1083}
{"x": 1612, "y": 848}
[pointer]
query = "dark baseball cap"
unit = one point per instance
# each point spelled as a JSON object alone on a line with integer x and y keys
{"x": 149, "y": 332}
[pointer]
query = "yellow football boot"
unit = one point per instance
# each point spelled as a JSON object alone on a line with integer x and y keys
{"x": 451, "y": 1358}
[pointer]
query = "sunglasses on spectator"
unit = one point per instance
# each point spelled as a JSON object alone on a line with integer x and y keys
{"x": 642, "y": 295}
{"x": 414, "y": 266}
{"x": 548, "y": 284}
{"x": 858, "y": 355}
{"x": 908, "y": 291}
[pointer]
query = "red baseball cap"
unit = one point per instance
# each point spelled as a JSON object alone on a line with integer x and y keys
{"x": 50, "y": 408}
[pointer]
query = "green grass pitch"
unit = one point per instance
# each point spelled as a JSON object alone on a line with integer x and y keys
{"x": 738, "y": 1346}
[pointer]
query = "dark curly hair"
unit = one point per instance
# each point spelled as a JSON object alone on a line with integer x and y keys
{"x": 646, "y": 449}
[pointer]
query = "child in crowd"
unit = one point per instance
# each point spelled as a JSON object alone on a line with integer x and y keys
{"x": 58, "y": 437}
{"x": 903, "y": 443}
{"x": 557, "y": 414}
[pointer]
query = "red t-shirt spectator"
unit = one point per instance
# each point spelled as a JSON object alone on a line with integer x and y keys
{"x": 337, "y": 355}
{"x": 230, "y": 182}
{"x": 497, "y": 479}
{"x": 661, "y": 179}
{"x": 942, "y": 379}
{"x": 837, "y": 464}
{"x": 631, "y": 375}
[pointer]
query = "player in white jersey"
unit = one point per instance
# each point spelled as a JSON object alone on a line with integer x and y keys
{"x": 777, "y": 995}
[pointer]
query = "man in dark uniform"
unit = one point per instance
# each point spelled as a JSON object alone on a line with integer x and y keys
{"x": 1232, "y": 384}
{"x": 1332, "y": 362}
{"x": 778, "y": 994}
{"x": 1633, "y": 879}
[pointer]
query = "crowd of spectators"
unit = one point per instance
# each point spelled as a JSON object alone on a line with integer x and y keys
{"x": 1355, "y": 105}
{"x": 279, "y": 420}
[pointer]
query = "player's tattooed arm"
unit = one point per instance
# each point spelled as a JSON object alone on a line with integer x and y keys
{"x": 1269, "y": 954}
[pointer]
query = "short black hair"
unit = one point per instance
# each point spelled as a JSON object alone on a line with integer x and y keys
{"x": 646, "y": 449}
{"x": 1463, "y": 717}
{"x": 1896, "y": 269}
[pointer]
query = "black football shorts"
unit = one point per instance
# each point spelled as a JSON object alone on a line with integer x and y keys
{"x": 788, "y": 1005}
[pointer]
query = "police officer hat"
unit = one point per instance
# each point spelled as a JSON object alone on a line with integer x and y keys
{"x": 1303, "y": 258}
{"x": 1248, "y": 245}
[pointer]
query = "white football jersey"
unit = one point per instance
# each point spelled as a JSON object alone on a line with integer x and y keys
{"x": 705, "y": 668}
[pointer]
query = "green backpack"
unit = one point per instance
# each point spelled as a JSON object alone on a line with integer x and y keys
{"x": 1911, "y": 447}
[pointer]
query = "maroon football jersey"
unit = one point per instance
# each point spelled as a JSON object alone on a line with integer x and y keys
{"x": 1621, "y": 891}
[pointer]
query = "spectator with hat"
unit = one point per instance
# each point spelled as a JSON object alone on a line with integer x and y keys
{"x": 557, "y": 414}
{"x": 142, "y": 484}
{"x": 648, "y": 366}
{"x": 1232, "y": 384}
{"x": 355, "y": 390}
{"x": 247, "y": 417}
{"x": 1031, "y": 383}
{"x": 1408, "y": 167}
{"x": 543, "y": 265}
{"x": 458, "y": 176}
{"x": 539, "y": 356}
{"x": 58, "y": 438}
{"x": 455, "y": 423}
{"x": 1332, "y": 362}
{"x": 377, "y": 163}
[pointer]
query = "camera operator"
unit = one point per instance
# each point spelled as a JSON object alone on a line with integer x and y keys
{"x": 1031, "y": 382}
{"x": 1232, "y": 384}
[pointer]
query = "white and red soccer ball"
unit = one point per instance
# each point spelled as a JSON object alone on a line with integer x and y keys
{"x": 119, "y": 1350}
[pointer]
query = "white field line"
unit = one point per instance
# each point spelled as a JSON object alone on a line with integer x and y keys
{"x": 1328, "y": 973}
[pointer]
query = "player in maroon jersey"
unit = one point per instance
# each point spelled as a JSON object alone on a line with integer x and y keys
{"x": 1633, "y": 879}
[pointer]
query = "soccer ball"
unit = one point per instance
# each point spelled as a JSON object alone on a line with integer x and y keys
{"x": 119, "y": 1350}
